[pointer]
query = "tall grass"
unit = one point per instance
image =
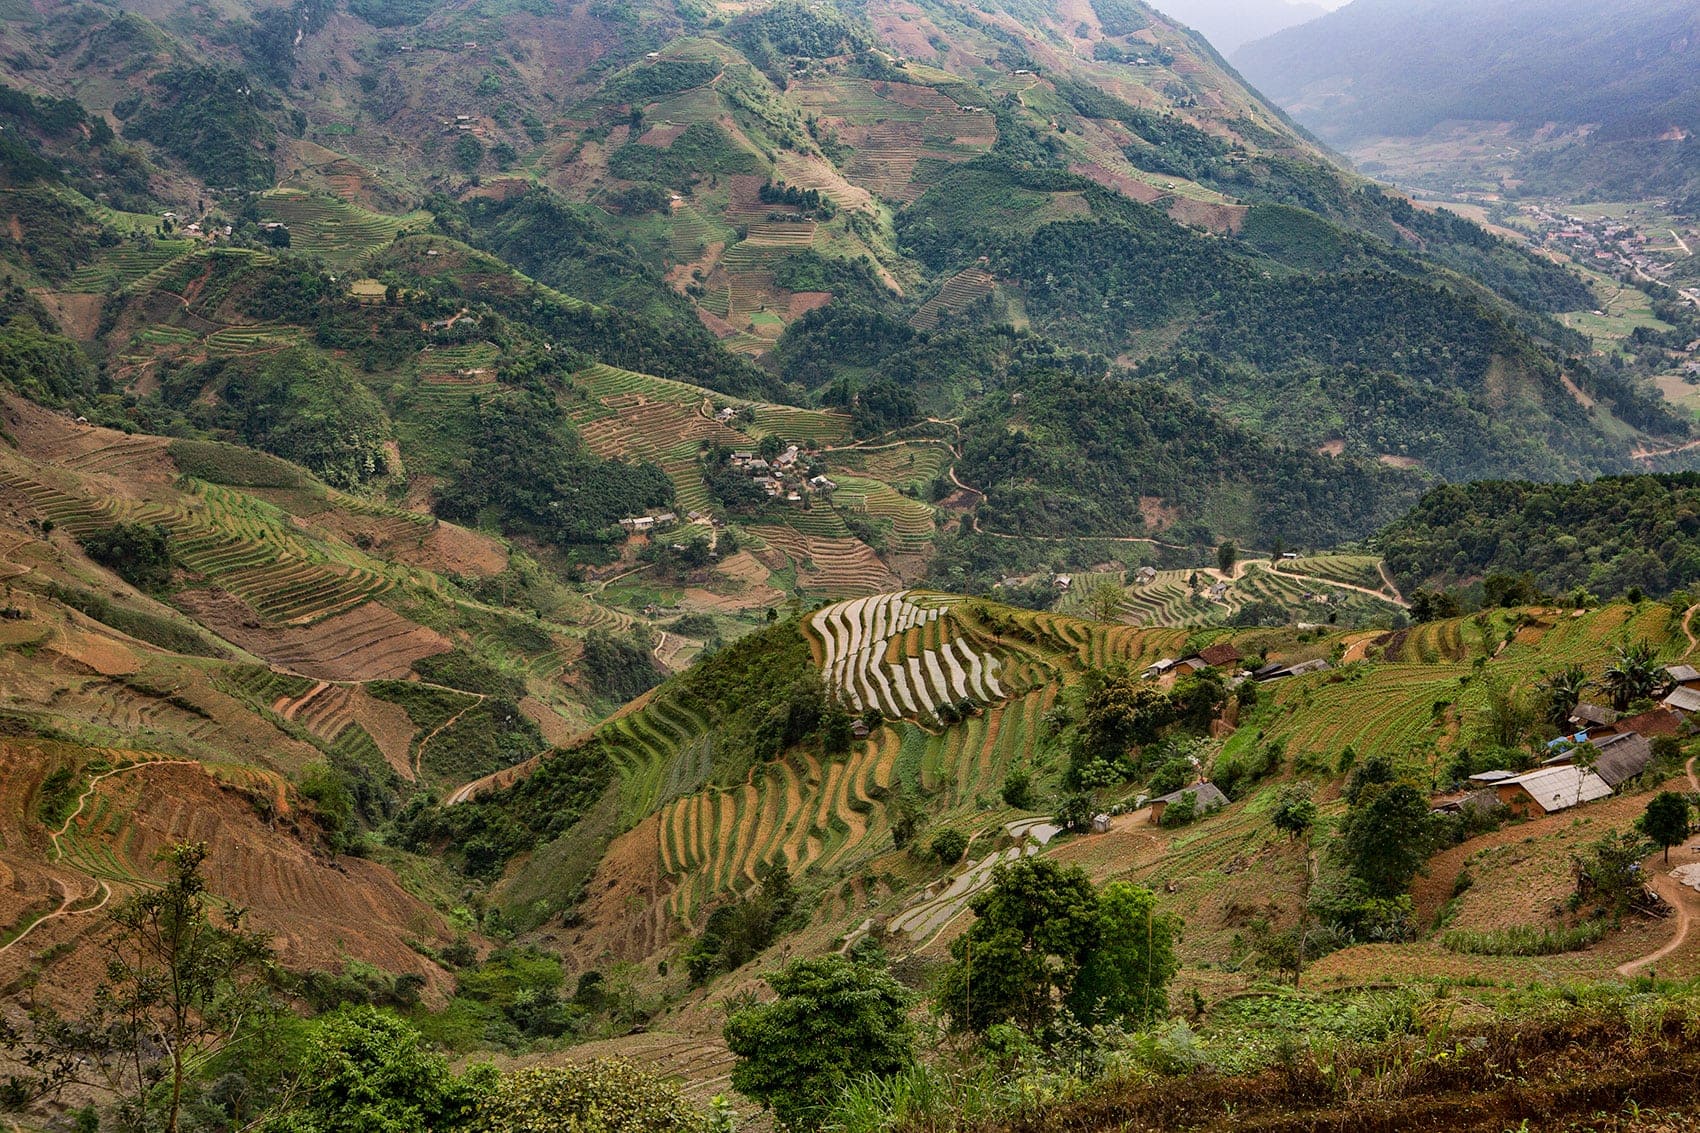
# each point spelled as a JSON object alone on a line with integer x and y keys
{"x": 1525, "y": 940}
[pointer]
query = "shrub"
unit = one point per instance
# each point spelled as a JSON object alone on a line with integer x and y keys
{"x": 1018, "y": 789}
{"x": 1525, "y": 940}
{"x": 604, "y": 1096}
{"x": 948, "y": 846}
{"x": 139, "y": 553}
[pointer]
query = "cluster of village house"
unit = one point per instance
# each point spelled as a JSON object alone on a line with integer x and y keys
{"x": 785, "y": 477}
{"x": 1616, "y": 748}
{"x": 195, "y": 230}
{"x": 1601, "y": 243}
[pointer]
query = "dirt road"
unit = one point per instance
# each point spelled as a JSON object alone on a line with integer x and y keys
{"x": 1683, "y": 898}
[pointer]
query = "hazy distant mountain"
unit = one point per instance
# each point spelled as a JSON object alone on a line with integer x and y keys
{"x": 1627, "y": 71}
{"x": 1230, "y": 24}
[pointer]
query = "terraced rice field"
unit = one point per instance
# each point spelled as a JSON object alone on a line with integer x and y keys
{"x": 605, "y": 385}
{"x": 826, "y": 565}
{"x": 472, "y": 361}
{"x": 885, "y": 158}
{"x": 125, "y": 265}
{"x": 813, "y": 428}
{"x": 1168, "y": 600}
{"x": 1096, "y": 645}
{"x": 1405, "y": 704}
{"x": 968, "y": 763}
{"x": 667, "y": 433}
{"x": 238, "y": 341}
{"x": 911, "y": 520}
{"x": 1354, "y": 570}
{"x": 645, "y": 746}
{"x": 136, "y": 456}
{"x": 892, "y": 127}
{"x": 712, "y": 841}
{"x": 1081, "y": 586}
{"x": 232, "y": 542}
{"x": 906, "y": 659}
{"x": 959, "y": 292}
{"x": 332, "y": 228}
{"x": 692, "y": 234}
{"x": 914, "y": 463}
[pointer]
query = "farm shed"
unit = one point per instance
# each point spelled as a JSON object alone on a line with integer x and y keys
{"x": 1593, "y": 714}
{"x": 1551, "y": 789}
{"x": 1280, "y": 672}
{"x": 1682, "y": 674}
{"x": 1206, "y": 797}
{"x": 1220, "y": 656}
{"x": 1683, "y": 699}
{"x": 1658, "y": 722}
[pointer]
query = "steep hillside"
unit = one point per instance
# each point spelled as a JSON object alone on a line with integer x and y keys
{"x": 1598, "y": 100}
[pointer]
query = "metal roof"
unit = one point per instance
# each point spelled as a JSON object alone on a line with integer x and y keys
{"x": 1683, "y": 700}
{"x": 1560, "y": 788}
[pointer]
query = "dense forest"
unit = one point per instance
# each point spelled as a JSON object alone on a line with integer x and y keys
{"x": 1073, "y": 455}
{"x": 1608, "y": 536}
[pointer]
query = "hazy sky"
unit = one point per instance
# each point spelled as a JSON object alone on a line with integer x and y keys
{"x": 1229, "y": 24}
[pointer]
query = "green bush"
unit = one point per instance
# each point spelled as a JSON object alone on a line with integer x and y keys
{"x": 140, "y": 554}
{"x": 1525, "y": 940}
{"x": 948, "y": 846}
{"x": 601, "y": 1096}
{"x": 233, "y": 465}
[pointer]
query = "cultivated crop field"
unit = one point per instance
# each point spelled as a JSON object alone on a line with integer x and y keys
{"x": 903, "y": 657}
{"x": 333, "y": 228}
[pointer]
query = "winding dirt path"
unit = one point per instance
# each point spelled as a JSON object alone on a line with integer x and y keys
{"x": 1683, "y": 899}
{"x": 1688, "y": 632}
{"x": 101, "y": 889}
{"x": 419, "y": 752}
{"x": 65, "y": 910}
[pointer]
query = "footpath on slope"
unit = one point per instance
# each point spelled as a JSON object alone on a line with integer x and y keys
{"x": 1680, "y": 887}
{"x": 67, "y": 907}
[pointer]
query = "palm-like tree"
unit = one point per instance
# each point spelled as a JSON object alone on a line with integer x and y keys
{"x": 1631, "y": 676}
{"x": 1561, "y": 692}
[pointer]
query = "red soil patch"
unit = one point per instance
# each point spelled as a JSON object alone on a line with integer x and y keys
{"x": 77, "y": 312}
{"x": 661, "y": 136}
{"x": 1123, "y": 183}
{"x": 321, "y": 911}
{"x": 1158, "y": 517}
{"x": 1203, "y": 214}
{"x": 717, "y": 325}
{"x": 53, "y": 438}
{"x": 388, "y": 726}
{"x": 555, "y": 729}
{"x": 369, "y": 642}
{"x": 802, "y": 302}
{"x": 98, "y": 652}
{"x": 613, "y": 928}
